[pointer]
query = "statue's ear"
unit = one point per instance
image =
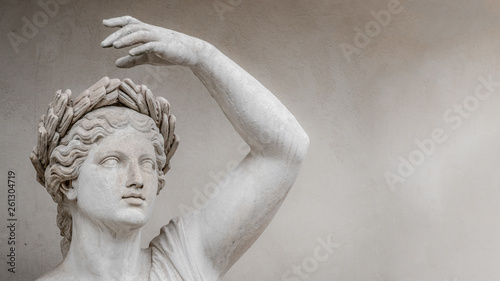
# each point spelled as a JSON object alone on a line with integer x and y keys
{"x": 68, "y": 190}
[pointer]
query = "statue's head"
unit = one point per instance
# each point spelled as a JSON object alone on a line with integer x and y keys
{"x": 112, "y": 146}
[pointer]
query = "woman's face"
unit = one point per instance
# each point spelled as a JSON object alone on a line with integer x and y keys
{"x": 118, "y": 180}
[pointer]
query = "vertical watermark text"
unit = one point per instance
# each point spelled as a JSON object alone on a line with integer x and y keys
{"x": 11, "y": 221}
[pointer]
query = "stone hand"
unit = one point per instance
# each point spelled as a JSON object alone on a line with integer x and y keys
{"x": 159, "y": 46}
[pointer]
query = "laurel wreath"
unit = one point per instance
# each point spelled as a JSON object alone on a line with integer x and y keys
{"x": 63, "y": 113}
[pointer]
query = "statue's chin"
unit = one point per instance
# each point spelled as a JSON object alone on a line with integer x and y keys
{"x": 123, "y": 220}
{"x": 132, "y": 218}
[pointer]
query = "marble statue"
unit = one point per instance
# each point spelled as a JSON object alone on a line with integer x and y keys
{"x": 102, "y": 157}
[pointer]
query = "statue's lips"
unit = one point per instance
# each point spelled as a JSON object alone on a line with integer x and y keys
{"x": 134, "y": 197}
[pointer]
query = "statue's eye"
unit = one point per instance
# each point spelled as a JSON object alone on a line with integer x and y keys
{"x": 148, "y": 164}
{"x": 110, "y": 162}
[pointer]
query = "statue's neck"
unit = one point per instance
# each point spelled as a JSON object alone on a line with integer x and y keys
{"x": 103, "y": 252}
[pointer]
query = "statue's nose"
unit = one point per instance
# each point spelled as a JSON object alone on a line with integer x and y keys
{"x": 134, "y": 176}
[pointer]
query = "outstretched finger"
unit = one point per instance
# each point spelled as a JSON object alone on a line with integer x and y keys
{"x": 124, "y": 31}
{"x": 131, "y": 61}
{"x": 120, "y": 21}
{"x": 141, "y": 36}
{"x": 147, "y": 48}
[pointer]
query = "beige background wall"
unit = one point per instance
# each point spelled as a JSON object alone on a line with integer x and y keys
{"x": 365, "y": 114}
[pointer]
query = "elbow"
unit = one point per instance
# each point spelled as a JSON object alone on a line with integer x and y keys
{"x": 291, "y": 148}
{"x": 306, "y": 141}
{"x": 301, "y": 146}
{"x": 304, "y": 146}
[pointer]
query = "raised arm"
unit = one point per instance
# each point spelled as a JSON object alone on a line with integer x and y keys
{"x": 251, "y": 194}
